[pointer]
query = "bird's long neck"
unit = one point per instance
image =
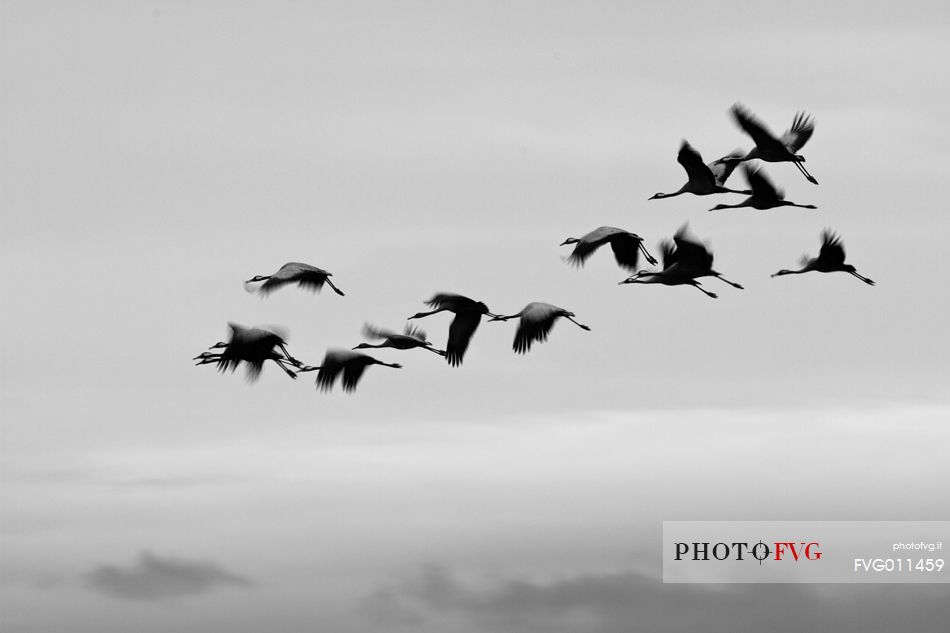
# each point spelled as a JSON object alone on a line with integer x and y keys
{"x": 645, "y": 278}
{"x": 425, "y": 314}
{"x": 660, "y": 196}
{"x": 744, "y": 203}
{"x": 786, "y": 271}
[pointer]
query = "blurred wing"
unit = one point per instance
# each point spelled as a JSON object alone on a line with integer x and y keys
{"x": 311, "y": 281}
{"x": 832, "y": 250}
{"x": 352, "y": 373}
{"x": 585, "y": 248}
{"x": 626, "y": 248}
{"x": 667, "y": 253}
{"x": 762, "y": 187}
{"x": 254, "y": 368}
{"x": 693, "y": 163}
{"x": 753, "y": 127}
{"x": 329, "y": 370}
{"x": 272, "y": 284}
{"x": 690, "y": 253}
{"x": 723, "y": 168}
{"x": 535, "y": 325}
{"x": 372, "y": 332}
{"x": 802, "y": 128}
{"x": 460, "y": 334}
{"x": 415, "y": 332}
{"x": 447, "y": 300}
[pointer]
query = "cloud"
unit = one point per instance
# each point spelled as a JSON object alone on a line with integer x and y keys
{"x": 630, "y": 602}
{"x": 154, "y": 577}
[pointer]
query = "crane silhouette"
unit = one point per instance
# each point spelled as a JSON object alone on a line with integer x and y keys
{"x": 412, "y": 337}
{"x": 770, "y": 148}
{"x": 704, "y": 179}
{"x": 830, "y": 259}
{"x": 468, "y": 314}
{"x": 304, "y": 275}
{"x": 253, "y": 346}
{"x": 764, "y": 194}
{"x": 684, "y": 260}
{"x": 350, "y": 365}
{"x": 536, "y": 321}
{"x": 626, "y": 246}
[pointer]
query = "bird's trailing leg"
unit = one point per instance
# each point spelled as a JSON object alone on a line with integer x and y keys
{"x": 646, "y": 254}
{"x": 287, "y": 370}
{"x": 304, "y": 368}
{"x": 334, "y": 288}
{"x": 801, "y": 168}
{"x": 289, "y": 357}
{"x": 731, "y": 283}
{"x": 864, "y": 279}
{"x": 696, "y": 285}
{"x": 580, "y": 325}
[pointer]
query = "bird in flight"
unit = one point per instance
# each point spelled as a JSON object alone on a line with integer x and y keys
{"x": 684, "y": 260}
{"x": 830, "y": 259}
{"x": 350, "y": 365}
{"x": 304, "y": 275}
{"x": 468, "y": 314}
{"x": 704, "y": 179}
{"x": 411, "y": 337}
{"x": 626, "y": 246}
{"x": 536, "y": 321}
{"x": 764, "y": 194}
{"x": 770, "y": 148}
{"x": 252, "y": 346}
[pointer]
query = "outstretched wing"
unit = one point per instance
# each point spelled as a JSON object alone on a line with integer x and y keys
{"x": 448, "y": 300}
{"x": 330, "y": 369}
{"x": 253, "y": 368}
{"x": 723, "y": 168}
{"x": 696, "y": 169}
{"x": 415, "y": 332}
{"x": 690, "y": 253}
{"x": 802, "y": 128}
{"x": 352, "y": 372}
{"x": 460, "y": 334}
{"x": 535, "y": 325}
{"x": 667, "y": 253}
{"x": 753, "y": 127}
{"x": 762, "y": 187}
{"x": 310, "y": 281}
{"x": 375, "y": 333}
{"x": 832, "y": 250}
{"x": 589, "y": 244}
{"x": 626, "y": 248}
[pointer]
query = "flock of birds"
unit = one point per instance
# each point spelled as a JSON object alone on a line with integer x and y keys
{"x": 684, "y": 260}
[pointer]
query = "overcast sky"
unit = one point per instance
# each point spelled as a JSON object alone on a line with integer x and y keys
{"x": 154, "y": 155}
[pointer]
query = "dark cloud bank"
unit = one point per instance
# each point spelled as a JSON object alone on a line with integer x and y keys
{"x": 156, "y": 578}
{"x": 631, "y": 602}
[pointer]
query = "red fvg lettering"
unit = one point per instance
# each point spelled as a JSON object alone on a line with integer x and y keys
{"x": 809, "y": 550}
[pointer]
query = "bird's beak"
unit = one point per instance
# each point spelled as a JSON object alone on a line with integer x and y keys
{"x": 565, "y": 243}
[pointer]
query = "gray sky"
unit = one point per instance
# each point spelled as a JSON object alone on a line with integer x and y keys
{"x": 152, "y": 156}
